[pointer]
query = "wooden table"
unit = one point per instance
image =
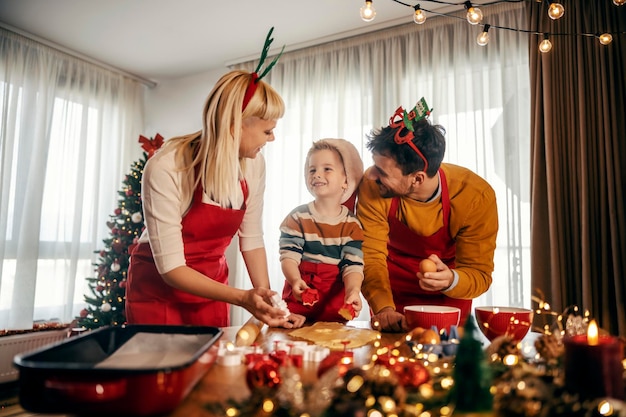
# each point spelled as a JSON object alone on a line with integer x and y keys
{"x": 229, "y": 382}
{"x": 223, "y": 382}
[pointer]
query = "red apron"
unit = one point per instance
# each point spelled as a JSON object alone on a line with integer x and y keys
{"x": 407, "y": 249}
{"x": 207, "y": 231}
{"x": 327, "y": 280}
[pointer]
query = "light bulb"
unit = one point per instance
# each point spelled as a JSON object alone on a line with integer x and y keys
{"x": 368, "y": 13}
{"x": 545, "y": 45}
{"x": 474, "y": 15}
{"x": 419, "y": 17}
{"x": 556, "y": 10}
{"x": 483, "y": 37}
{"x": 605, "y": 38}
{"x": 619, "y": 2}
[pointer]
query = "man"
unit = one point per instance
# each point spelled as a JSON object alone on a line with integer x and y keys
{"x": 413, "y": 207}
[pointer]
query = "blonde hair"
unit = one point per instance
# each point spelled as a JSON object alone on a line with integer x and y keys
{"x": 213, "y": 152}
{"x": 322, "y": 145}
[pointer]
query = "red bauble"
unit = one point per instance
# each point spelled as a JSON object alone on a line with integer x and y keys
{"x": 343, "y": 360}
{"x": 118, "y": 246}
{"x": 263, "y": 373}
{"x": 410, "y": 373}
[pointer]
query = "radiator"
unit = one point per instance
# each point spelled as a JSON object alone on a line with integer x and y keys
{"x": 22, "y": 343}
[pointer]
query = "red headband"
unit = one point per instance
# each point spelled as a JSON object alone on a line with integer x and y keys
{"x": 254, "y": 80}
{"x": 401, "y": 119}
{"x": 250, "y": 90}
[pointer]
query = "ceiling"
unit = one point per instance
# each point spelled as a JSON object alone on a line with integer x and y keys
{"x": 165, "y": 39}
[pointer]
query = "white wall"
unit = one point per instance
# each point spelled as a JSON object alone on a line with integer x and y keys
{"x": 174, "y": 107}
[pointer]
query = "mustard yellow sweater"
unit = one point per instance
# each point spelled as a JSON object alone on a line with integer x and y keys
{"x": 473, "y": 225}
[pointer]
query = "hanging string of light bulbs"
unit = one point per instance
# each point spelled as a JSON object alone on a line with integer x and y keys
{"x": 475, "y": 16}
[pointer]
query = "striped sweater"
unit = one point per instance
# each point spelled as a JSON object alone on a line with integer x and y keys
{"x": 306, "y": 235}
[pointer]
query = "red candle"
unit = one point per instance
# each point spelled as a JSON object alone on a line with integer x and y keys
{"x": 593, "y": 365}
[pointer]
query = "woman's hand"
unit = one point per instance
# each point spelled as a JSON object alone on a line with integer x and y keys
{"x": 294, "y": 321}
{"x": 258, "y": 302}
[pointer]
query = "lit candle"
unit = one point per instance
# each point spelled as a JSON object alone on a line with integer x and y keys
{"x": 593, "y": 365}
{"x": 592, "y": 333}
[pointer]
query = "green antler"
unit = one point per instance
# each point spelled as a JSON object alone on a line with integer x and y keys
{"x": 266, "y": 48}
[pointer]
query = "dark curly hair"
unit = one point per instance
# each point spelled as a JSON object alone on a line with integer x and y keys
{"x": 429, "y": 139}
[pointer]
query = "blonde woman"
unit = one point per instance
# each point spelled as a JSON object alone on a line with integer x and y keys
{"x": 199, "y": 191}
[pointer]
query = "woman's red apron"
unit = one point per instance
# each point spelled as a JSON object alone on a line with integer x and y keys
{"x": 207, "y": 231}
{"x": 407, "y": 249}
{"x": 327, "y": 280}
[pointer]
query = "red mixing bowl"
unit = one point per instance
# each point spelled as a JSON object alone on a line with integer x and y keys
{"x": 496, "y": 321}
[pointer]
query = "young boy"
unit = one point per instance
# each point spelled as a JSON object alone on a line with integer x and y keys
{"x": 320, "y": 242}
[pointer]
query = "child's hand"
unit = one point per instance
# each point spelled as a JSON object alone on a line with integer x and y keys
{"x": 354, "y": 299}
{"x": 298, "y": 288}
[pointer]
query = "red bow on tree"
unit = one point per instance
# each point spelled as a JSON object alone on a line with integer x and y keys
{"x": 151, "y": 145}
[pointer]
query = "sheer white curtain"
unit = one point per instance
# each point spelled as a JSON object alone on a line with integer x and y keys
{"x": 479, "y": 94}
{"x": 68, "y": 132}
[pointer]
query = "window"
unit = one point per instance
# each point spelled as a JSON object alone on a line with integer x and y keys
{"x": 63, "y": 135}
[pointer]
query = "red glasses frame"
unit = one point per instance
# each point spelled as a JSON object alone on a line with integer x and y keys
{"x": 401, "y": 119}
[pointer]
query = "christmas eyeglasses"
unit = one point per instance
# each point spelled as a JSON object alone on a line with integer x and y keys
{"x": 403, "y": 120}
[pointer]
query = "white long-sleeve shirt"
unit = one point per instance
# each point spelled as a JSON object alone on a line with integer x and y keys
{"x": 163, "y": 209}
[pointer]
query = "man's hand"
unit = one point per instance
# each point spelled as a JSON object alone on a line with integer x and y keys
{"x": 389, "y": 320}
{"x": 436, "y": 281}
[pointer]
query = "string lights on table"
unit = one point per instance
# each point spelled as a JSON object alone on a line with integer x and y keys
{"x": 475, "y": 17}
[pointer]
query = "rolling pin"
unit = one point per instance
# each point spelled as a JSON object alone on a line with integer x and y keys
{"x": 249, "y": 332}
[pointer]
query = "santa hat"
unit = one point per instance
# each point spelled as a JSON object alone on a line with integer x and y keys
{"x": 352, "y": 163}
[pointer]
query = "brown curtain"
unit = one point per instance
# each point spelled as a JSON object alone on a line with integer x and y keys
{"x": 578, "y": 160}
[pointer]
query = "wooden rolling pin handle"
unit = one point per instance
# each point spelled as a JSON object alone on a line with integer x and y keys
{"x": 249, "y": 332}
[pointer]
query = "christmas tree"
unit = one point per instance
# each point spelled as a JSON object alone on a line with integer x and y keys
{"x": 106, "y": 301}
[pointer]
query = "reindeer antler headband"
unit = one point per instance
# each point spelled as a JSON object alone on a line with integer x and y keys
{"x": 255, "y": 75}
{"x": 403, "y": 120}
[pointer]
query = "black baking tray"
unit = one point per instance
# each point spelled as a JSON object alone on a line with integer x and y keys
{"x": 134, "y": 370}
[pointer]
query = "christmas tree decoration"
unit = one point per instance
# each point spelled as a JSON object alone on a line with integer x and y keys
{"x": 472, "y": 376}
{"x": 410, "y": 373}
{"x": 500, "y": 379}
{"x": 263, "y": 373}
{"x": 106, "y": 301}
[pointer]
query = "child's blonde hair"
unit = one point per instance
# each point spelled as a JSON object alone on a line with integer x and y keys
{"x": 349, "y": 157}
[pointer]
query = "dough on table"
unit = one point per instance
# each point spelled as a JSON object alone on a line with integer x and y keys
{"x": 331, "y": 335}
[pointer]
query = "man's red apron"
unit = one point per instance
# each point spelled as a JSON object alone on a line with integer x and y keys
{"x": 407, "y": 249}
{"x": 207, "y": 231}
{"x": 327, "y": 280}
